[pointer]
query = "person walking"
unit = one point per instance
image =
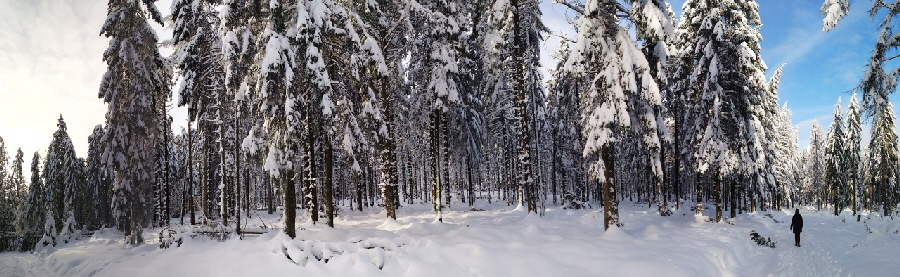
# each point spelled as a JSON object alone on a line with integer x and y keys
{"x": 797, "y": 227}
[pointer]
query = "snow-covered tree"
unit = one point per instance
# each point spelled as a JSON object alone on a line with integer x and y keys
{"x": 135, "y": 87}
{"x": 97, "y": 181}
{"x": 728, "y": 82}
{"x": 7, "y": 193}
{"x": 513, "y": 39}
{"x": 877, "y": 83}
{"x": 787, "y": 157}
{"x": 621, "y": 77}
{"x": 814, "y": 167}
{"x": 654, "y": 20}
{"x": 62, "y": 174}
{"x": 33, "y": 210}
{"x": 852, "y": 156}
{"x": 278, "y": 104}
{"x": 383, "y": 26}
{"x": 883, "y": 160}
{"x": 564, "y": 90}
{"x": 19, "y": 188}
{"x": 835, "y": 161}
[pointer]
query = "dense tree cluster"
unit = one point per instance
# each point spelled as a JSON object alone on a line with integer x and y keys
{"x": 323, "y": 105}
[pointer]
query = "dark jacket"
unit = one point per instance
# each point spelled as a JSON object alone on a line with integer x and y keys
{"x": 797, "y": 223}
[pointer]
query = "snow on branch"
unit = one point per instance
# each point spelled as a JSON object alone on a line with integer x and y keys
{"x": 834, "y": 11}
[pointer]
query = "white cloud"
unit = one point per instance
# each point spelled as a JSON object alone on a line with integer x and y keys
{"x": 50, "y": 64}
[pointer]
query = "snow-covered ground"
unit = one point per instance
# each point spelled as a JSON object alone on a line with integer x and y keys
{"x": 501, "y": 241}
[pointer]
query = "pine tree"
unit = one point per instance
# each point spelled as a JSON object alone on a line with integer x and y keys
{"x": 98, "y": 181}
{"x": 787, "y": 155}
{"x": 564, "y": 92}
{"x": 515, "y": 38}
{"x": 33, "y": 209}
{"x": 654, "y": 21}
{"x": 835, "y": 161}
{"x": 19, "y": 192}
{"x": 278, "y": 104}
{"x": 383, "y": 28}
{"x": 814, "y": 167}
{"x": 729, "y": 83}
{"x": 135, "y": 88}
{"x": 62, "y": 179}
{"x": 624, "y": 77}
{"x": 852, "y": 157}
{"x": 7, "y": 194}
{"x": 883, "y": 158}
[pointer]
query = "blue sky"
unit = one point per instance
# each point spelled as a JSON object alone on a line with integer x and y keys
{"x": 51, "y": 63}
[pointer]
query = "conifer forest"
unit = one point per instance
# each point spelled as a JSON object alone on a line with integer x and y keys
{"x": 319, "y": 108}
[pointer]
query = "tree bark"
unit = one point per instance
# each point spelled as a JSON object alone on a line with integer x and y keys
{"x": 190, "y": 177}
{"x": 328, "y": 182}
{"x": 290, "y": 202}
{"x": 610, "y": 200}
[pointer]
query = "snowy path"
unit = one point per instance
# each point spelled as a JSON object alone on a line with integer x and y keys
{"x": 808, "y": 260}
{"x": 832, "y": 246}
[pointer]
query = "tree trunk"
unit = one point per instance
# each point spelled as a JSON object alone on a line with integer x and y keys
{"x": 237, "y": 175}
{"x": 190, "y": 177}
{"x": 328, "y": 182}
{"x": 610, "y": 200}
{"x": 270, "y": 195}
{"x": 435, "y": 165}
{"x": 387, "y": 157}
{"x": 310, "y": 194}
{"x": 718, "y": 196}
{"x": 699, "y": 210}
{"x": 526, "y": 180}
{"x": 290, "y": 202}
{"x": 676, "y": 180}
{"x": 355, "y": 179}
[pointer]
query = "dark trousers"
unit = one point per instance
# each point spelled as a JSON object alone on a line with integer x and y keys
{"x": 797, "y": 238}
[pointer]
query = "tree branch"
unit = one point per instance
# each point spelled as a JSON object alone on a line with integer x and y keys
{"x": 575, "y": 7}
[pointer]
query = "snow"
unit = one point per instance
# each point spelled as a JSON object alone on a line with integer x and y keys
{"x": 834, "y": 10}
{"x": 500, "y": 241}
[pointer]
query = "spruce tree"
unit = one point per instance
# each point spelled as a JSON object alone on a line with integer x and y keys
{"x": 654, "y": 21}
{"x": 7, "y": 194}
{"x": 135, "y": 88}
{"x": 62, "y": 172}
{"x": 33, "y": 210}
{"x": 852, "y": 157}
{"x": 516, "y": 30}
{"x": 19, "y": 191}
{"x": 814, "y": 167}
{"x": 276, "y": 100}
{"x": 835, "y": 161}
{"x": 606, "y": 112}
